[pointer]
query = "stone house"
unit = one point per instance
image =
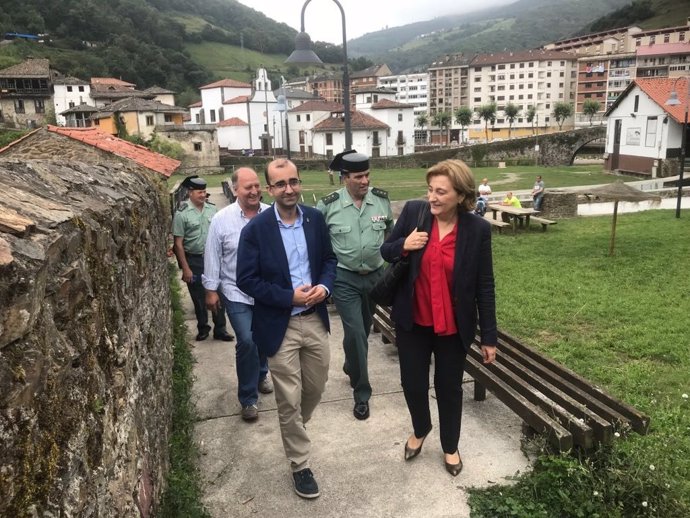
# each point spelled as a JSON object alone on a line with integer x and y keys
{"x": 200, "y": 145}
{"x": 26, "y": 90}
{"x": 86, "y": 145}
{"x": 644, "y": 134}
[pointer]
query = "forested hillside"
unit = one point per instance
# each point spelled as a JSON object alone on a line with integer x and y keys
{"x": 142, "y": 41}
{"x": 520, "y": 25}
{"x": 182, "y": 44}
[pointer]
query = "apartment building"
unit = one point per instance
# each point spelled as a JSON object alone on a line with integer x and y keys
{"x": 448, "y": 84}
{"x": 327, "y": 86}
{"x": 409, "y": 89}
{"x": 608, "y": 61}
{"x": 538, "y": 78}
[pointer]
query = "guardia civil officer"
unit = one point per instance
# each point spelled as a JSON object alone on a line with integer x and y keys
{"x": 358, "y": 218}
{"x": 190, "y": 229}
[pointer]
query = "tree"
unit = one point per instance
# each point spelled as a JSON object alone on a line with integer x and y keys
{"x": 531, "y": 116}
{"x": 488, "y": 113}
{"x": 561, "y": 111}
{"x": 463, "y": 116}
{"x": 590, "y": 108}
{"x": 422, "y": 120}
{"x": 511, "y": 112}
{"x": 442, "y": 120}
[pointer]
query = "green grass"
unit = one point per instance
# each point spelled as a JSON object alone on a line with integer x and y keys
{"x": 228, "y": 61}
{"x": 621, "y": 322}
{"x": 182, "y": 497}
{"x": 404, "y": 184}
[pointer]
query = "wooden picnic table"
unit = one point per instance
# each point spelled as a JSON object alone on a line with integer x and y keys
{"x": 520, "y": 215}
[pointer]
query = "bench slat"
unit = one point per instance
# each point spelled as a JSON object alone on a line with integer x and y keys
{"x": 638, "y": 420}
{"x": 531, "y": 414}
{"x": 603, "y": 430}
{"x": 583, "y": 435}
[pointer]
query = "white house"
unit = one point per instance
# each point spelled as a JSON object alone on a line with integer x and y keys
{"x": 213, "y": 96}
{"x": 399, "y": 117}
{"x": 258, "y": 124}
{"x": 69, "y": 92}
{"x": 233, "y": 134}
{"x": 644, "y": 134}
{"x": 369, "y": 135}
{"x": 259, "y": 110}
{"x": 301, "y": 122}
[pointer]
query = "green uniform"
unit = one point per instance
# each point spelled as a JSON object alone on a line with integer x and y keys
{"x": 192, "y": 224}
{"x": 356, "y": 236}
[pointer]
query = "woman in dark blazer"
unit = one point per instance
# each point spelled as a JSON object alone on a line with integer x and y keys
{"x": 450, "y": 281}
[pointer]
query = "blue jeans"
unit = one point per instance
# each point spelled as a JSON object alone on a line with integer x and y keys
{"x": 251, "y": 366}
{"x": 537, "y": 201}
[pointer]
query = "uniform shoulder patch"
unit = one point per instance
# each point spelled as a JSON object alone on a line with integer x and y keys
{"x": 379, "y": 192}
{"x": 330, "y": 198}
{"x": 182, "y": 206}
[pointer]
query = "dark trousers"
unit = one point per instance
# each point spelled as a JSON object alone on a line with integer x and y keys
{"x": 198, "y": 294}
{"x": 415, "y": 348}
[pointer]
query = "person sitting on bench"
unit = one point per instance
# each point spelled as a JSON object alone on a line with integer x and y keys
{"x": 512, "y": 201}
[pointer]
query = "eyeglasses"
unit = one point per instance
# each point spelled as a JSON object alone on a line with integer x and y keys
{"x": 282, "y": 185}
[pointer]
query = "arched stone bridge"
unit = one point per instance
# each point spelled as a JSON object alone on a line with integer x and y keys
{"x": 555, "y": 149}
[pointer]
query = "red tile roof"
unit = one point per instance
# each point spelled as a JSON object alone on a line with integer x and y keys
{"x": 659, "y": 90}
{"x": 358, "y": 121}
{"x": 145, "y": 157}
{"x": 237, "y": 100}
{"x": 318, "y": 106}
{"x": 197, "y": 104}
{"x": 232, "y": 121}
{"x": 226, "y": 83}
{"x": 387, "y": 103}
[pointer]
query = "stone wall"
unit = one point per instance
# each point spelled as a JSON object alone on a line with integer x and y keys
{"x": 85, "y": 346}
{"x": 200, "y": 145}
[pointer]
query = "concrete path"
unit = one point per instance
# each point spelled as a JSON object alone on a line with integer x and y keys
{"x": 359, "y": 465}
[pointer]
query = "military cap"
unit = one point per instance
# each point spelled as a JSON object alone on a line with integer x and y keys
{"x": 337, "y": 162}
{"x": 355, "y": 163}
{"x": 194, "y": 183}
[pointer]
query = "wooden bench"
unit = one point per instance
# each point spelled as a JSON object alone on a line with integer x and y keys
{"x": 550, "y": 398}
{"x": 544, "y": 222}
{"x": 496, "y": 223}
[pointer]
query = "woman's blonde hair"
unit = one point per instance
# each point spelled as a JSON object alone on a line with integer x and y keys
{"x": 461, "y": 178}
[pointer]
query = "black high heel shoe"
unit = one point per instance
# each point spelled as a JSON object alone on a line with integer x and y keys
{"x": 453, "y": 469}
{"x": 411, "y": 453}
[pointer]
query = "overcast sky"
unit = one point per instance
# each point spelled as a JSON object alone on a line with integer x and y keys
{"x": 323, "y": 21}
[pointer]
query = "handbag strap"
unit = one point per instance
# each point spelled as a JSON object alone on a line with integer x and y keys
{"x": 420, "y": 216}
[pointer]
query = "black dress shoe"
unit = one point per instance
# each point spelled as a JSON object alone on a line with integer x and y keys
{"x": 361, "y": 410}
{"x": 454, "y": 469}
{"x": 203, "y": 335}
{"x": 225, "y": 337}
{"x": 411, "y": 453}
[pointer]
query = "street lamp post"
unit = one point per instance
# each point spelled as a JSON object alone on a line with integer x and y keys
{"x": 282, "y": 107}
{"x": 674, "y": 101}
{"x": 304, "y": 55}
